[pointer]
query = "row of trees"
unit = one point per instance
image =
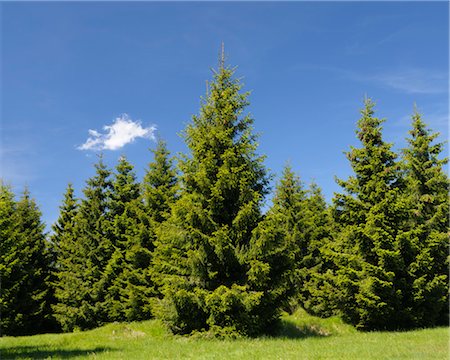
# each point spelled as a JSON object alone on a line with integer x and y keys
{"x": 190, "y": 244}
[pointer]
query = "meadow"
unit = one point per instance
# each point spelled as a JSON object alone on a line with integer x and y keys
{"x": 300, "y": 336}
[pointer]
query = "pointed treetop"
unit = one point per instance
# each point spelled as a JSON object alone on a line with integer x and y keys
{"x": 222, "y": 56}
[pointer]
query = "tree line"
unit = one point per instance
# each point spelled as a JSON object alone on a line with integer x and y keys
{"x": 190, "y": 244}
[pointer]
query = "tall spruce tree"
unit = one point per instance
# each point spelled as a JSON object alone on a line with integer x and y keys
{"x": 126, "y": 278}
{"x": 425, "y": 243}
{"x": 279, "y": 243}
{"x": 68, "y": 262}
{"x": 80, "y": 301}
{"x": 295, "y": 232}
{"x": 369, "y": 216}
{"x": 64, "y": 224}
{"x": 160, "y": 184}
{"x": 159, "y": 187}
{"x": 26, "y": 268}
{"x": 202, "y": 253}
{"x": 10, "y": 260}
{"x": 315, "y": 294}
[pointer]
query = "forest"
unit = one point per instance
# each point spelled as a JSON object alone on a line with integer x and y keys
{"x": 191, "y": 245}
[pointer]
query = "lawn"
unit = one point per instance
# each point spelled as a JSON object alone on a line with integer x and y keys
{"x": 300, "y": 337}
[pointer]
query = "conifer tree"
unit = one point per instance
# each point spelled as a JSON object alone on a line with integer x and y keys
{"x": 26, "y": 288}
{"x": 127, "y": 275}
{"x": 159, "y": 188}
{"x": 369, "y": 216}
{"x": 10, "y": 260}
{"x": 65, "y": 222}
{"x": 80, "y": 307}
{"x": 160, "y": 184}
{"x": 279, "y": 243}
{"x": 425, "y": 243}
{"x": 295, "y": 231}
{"x": 68, "y": 263}
{"x": 315, "y": 295}
{"x": 93, "y": 230}
{"x": 202, "y": 252}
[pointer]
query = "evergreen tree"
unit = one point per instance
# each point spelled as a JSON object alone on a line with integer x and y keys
{"x": 127, "y": 275}
{"x": 425, "y": 243}
{"x": 160, "y": 193}
{"x": 80, "y": 301}
{"x": 26, "y": 261}
{"x": 369, "y": 216}
{"x": 295, "y": 232}
{"x": 65, "y": 223}
{"x": 68, "y": 263}
{"x": 160, "y": 184}
{"x": 10, "y": 260}
{"x": 315, "y": 268}
{"x": 279, "y": 243}
{"x": 202, "y": 252}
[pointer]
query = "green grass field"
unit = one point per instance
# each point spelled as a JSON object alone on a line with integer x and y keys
{"x": 300, "y": 337}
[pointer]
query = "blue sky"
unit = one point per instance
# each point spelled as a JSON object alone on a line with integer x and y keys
{"x": 68, "y": 68}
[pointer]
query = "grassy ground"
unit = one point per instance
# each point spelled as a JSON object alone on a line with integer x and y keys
{"x": 301, "y": 337}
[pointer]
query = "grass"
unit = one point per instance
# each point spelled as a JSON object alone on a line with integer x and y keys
{"x": 300, "y": 337}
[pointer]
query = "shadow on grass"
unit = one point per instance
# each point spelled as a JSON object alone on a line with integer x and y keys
{"x": 43, "y": 352}
{"x": 289, "y": 330}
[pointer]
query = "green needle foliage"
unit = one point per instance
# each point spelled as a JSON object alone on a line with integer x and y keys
{"x": 81, "y": 296}
{"x": 25, "y": 264}
{"x": 315, "y": 268}
{"x": 126, "y": 278}
{"x": 279, "y": 245}
{"x": 159, "y": 193}
{"x": 10, "y": 259}
{"x": 292, "y": 238}
{"x": 67, "y": 262}
{"x": 160, "y": 184}
{"x": 369, "y": 216}
{"x": 425, "y": 243}
{"x": 64, "y": 225}
{"x": 202, "y": 253}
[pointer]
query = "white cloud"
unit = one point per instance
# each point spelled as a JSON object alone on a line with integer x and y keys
{"x": 122, "y": 131}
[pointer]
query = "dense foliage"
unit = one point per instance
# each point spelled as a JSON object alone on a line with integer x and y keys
{"x": 191, "y": 245}
{"x": 25, "y": 263}
{"x": 80, "y": 291}
{"x": 391, "y": 245}
{"x": 425, "y": 243}
{"x": 204, "y": 256}
{"x": 370, "y": 217}
{"x": 126, "y": 277}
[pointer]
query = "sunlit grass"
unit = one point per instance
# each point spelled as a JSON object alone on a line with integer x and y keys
{"x": 299, "y": 337}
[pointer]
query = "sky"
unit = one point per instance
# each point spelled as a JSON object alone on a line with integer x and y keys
{"x": 82, "y": 78}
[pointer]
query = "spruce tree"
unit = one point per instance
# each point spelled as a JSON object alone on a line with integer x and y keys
{"x": 159, "y": 187}
{"x": 160, "y": 184}
{"x": 425, "y": 243}
{"x": 295, "y": 232}
{"x": 315, "y": 294}
{"x": 279, "y": 244}
{"x": 202, "y": 253}
{"x": 10, "y": 260}
{"x": 80, "y": 306}
{"x": 68, "y": 262}
{"x": 369, "y": 217}
{"x": 65, "y": 222}
{"x": 26, "y": 274}
{"x": 126, "y": 278}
